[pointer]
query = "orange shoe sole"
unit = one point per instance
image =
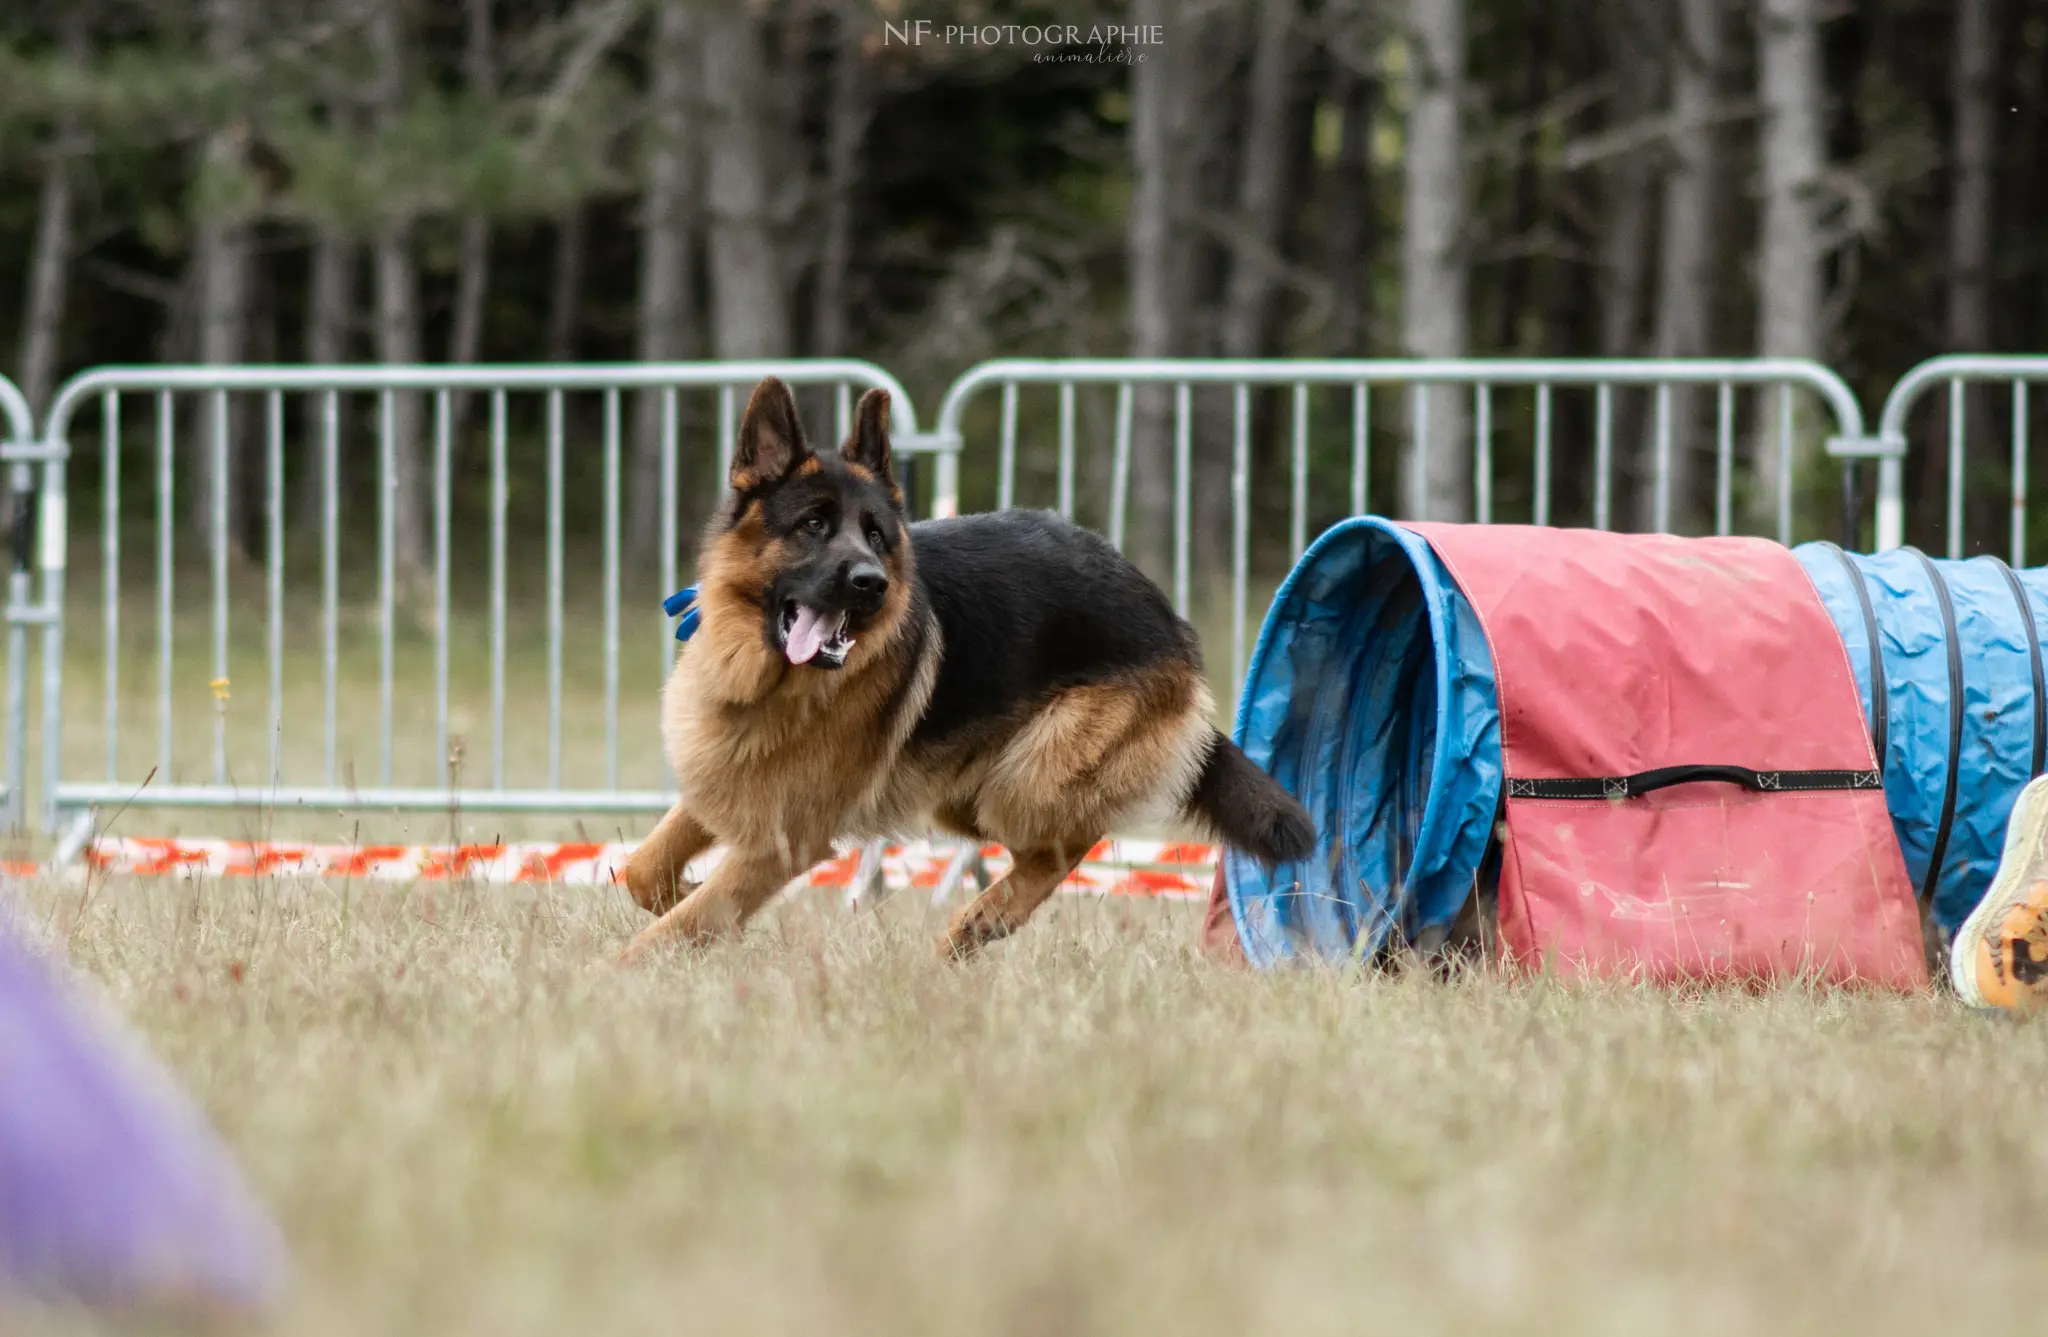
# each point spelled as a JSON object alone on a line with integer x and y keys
{"x": 2000, "y": 955}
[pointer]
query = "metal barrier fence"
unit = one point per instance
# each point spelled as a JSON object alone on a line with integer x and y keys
{"x": 1957, "y": 372}
{"x": 18, "y": 452}
{"x": 69, "y": 800}
{"x": 1754, "y": 399}
{"x": 1484, "y": 378}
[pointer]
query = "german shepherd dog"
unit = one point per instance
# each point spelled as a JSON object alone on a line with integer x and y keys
{"x": 1005, "y": 677}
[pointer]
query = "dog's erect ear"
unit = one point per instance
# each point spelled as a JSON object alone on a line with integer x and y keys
{"x": 771, "y": 440}
{"x": 869, "y": 445}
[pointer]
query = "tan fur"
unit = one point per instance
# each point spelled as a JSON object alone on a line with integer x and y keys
{"x": 778, "y": 762}
{"x": 1003, "y": 908}
{"x": 654, "y": 875}
{"x": 813, "y": 760}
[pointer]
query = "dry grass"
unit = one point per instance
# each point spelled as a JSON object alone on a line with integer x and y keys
{"x": 465, "y": 1128}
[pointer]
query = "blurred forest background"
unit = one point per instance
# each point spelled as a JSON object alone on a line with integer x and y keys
{"x": 223, "y": 181}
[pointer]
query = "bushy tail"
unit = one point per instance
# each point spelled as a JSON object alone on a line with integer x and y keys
{"x": 1248, "y": 808}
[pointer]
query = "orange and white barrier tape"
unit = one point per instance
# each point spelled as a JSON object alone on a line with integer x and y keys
{"x": 1113, "y": 867}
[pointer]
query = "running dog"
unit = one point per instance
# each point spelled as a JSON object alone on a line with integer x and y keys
{"x": 1005, "y": 677}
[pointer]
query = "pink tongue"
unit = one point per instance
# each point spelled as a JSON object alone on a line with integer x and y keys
{"x": 806, "y": 635}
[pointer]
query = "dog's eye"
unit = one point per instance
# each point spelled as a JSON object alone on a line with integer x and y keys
{"x": 874, "y": 538}
{"x": 814, "y": 524}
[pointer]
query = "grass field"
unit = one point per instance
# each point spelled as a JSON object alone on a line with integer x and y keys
{"x": 466, "y": 1127}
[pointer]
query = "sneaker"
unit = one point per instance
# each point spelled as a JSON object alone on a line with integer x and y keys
{"x": 2000, "y": 955}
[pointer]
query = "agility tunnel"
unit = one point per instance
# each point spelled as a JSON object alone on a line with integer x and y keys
{"x": 1660, "y": 752}
{"x": 1951, "y": 651}
{"x": 113, "y": 1189}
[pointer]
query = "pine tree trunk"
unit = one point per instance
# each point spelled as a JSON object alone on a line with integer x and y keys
{"x": 749, "y": 307}
{"x": 398, "y": 324}
{"x": 1625, "y": 252}
{"x": 1970, "y": 213}
{"x": 1438, "y": 464}
{"x": 1517, "y": 274}
{"x": 1351, "y": 233}
{"x": 473, "y": 263}
{"x": 398, "y": 344}
{"x": 330, "y": 316}
{"x": 667, "y": 281}
{"x": 1625, "y": 236}
{"x": 565, "y": 301}
{"x": 1158, "y": 282}
{"x": 42, "y": 316}
{"x": 1262, "y": 168}
{"x": 220, "y": 261}
{"x": 1789, "y": 268}
{"x": 1688, "y": 246}
{"x": 49, "y": 265}
{"x": 1257, "y": 198}
{"x": 1967, "y": 324}
{"x": 844, "y": 132}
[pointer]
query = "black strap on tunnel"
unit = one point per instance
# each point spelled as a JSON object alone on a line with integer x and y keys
{"x": 1646, "y": 782}
{"x": 2019, "y": 596}
{"x": 1955, "y": 722}
{"x": 1880, "y": 700}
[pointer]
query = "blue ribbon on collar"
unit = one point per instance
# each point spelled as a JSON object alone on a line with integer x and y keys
{"x": 684, "y": 602}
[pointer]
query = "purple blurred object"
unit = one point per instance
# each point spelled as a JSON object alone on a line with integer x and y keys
{"x": 113, "y": 1188}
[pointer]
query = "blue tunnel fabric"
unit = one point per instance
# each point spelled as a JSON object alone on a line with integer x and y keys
{"x": 1370, "y": 696}
{"x": 1949, "y": 800}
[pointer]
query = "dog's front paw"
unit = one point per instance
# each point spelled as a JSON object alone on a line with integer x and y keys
{"x": 658, "y": 896}
{"x": 972, "y": 929}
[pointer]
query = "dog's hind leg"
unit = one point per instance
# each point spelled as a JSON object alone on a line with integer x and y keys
{"x": 1003, "y": 908}
{"x": 654, "y": 875}
{"x": 744, "y": 881}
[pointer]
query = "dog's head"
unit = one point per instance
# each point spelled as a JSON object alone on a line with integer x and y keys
{"x": 815, "y": 544}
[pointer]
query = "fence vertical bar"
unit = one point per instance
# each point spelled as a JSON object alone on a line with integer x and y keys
{"x": 2019, "y": 472}
{"x": 387, "y": 490}
{"x": 500, "y": 497}
{"x": 728, "y": 428}
{"x": 1603, "y": 456}
{"x": 1240, "y": 525}
{"x": 273, "y": 435}
{"x": 668, "y": 523}
{"x": 444, "y": 451}
{"x": 18, "y": 593}
{"x": 611, "y": 588}
{"x": 1361, "y": 438}
{"x": 166, "y": 438}
{"x": 1067, "y": 450}
{"x": 1482, "y": 452}
{"x": 1955, "y": 469}
{"x": 110, "y": 582}
{"x": 1660, "y": 505}
{"x": 1418, "y": 471}
{"x": 1182, "y": 467}
{"x": 219, "y": 505}
{"x": 554, "y": 500}
{"x": 330, "y": 567}
{"x": 1785, "y": 465}
{"x": 52, "y": 561}
{"x": 1297, "y": 533}
{"x": 1120, "y": 468}
{"x": 842, "y": 411}
{"x": 1541, "y": 508}
{"x": 1006, "y": 457}
{"x": 1724, "y": 460}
